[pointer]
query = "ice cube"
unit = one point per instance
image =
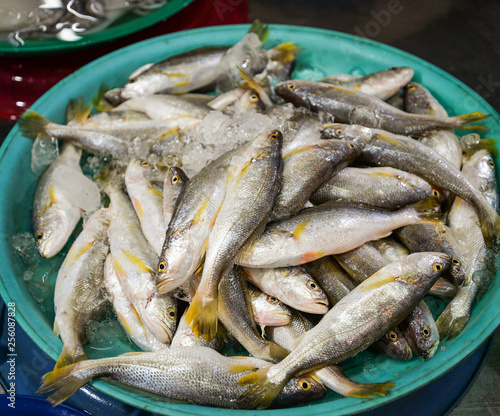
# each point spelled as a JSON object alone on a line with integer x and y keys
{"x": 25, "y": 246}
{"x": 43, "y": 153}
{"x": 77, "y": 188}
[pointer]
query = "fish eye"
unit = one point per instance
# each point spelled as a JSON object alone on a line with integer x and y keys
{"x": 352, "y": 146}
{"x": 273, "y": 136}
{"x": 254, "y": 98}
{"x": 411, "y": 87}
{"x": 171, "y": 313}
{"x": 175, "y": 179}
{"x": 312, "y": 285}
{"x": 455, "y": 261}
{"x": 435, "y": 193}
{"x": 392, "y": 336}
{"x": 491, "y": 164}
{"x": 339, "y": 132}
{"x": 291, "y": 87}
{"x": 145, "y": 164}
{"x": 304, "y": 384}
{"x": 425, "y": 332}
{"x": 272, "y": 300}
{"x": 162, "y": 265}
{"x": 39, "y": 236}
{"x": 437, "y": 267}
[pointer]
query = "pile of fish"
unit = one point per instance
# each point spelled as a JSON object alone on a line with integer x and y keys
{"x": 322, "y": 212}
{"x": 64, "y": 19}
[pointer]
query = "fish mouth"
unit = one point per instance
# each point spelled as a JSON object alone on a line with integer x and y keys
{"x": 407, "y": 354}
{"x": 431, "y": 351}
{"x": 165, "y": 284}
{"x": 319, "y": 307}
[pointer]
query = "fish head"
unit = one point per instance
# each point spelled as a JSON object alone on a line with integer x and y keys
{"x": 402, "y": 74}
{"x": 296, "y": 92}
{"x": 299, "y": 390}
{"x": 140, "y": 171}
{"x": 394, "y": 344}
{"x": 480, "y": 169}
{"x": 53, "y": 228}
{"x": 249, "y": 101}
{"x": 305, "y": 293}
{"x": 420, "y": 269}
{"x": 423, "y": 336}
{"x": 355, "y": 133}
{"x": 175, "y": 268}
{"x": 270, "y": 311}
{"x": 161, "y": 317}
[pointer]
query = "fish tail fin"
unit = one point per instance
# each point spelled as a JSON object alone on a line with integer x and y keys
{"x": 428, "y": 209}
{"x": 286, "y": 52}
{"x": 100, "y": 102}
{"x": 261, "y": 392}
{"x": 63, "y": 380}
{"x": 77, "y": 110}
{"x": 32, "y": 124}
{"x": 368, "y": 391}
{"x": 471, "y": 147}
{"x": 203, "y": 317}
{"x": 276, "y": 352}
{"x": 260, "y": 29}
{"x": 470, "y": 118}
{"x": 66, "y": 358}
{"x": 450, "y": 326}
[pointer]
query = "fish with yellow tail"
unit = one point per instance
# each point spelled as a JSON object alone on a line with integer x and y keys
{"x": 361, "y": 317}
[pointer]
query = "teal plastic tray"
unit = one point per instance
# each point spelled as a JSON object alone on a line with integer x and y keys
{"x": 324, "y": 52}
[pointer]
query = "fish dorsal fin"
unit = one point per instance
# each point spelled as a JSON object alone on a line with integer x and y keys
{"x": 140, "y": 70}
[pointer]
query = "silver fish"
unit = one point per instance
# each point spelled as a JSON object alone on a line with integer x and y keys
{"x": 331, "y": 228}
{"x": 352, "y": 324}
{"x": 235, "y": 313}
{"x": 126, "y": 313}
{"x": 334, "y": 281}
{"x": 267, "y": 310}
{"x": 421, "y": 332}
{"x": 175, "y": 180}
{"x": 78, "y": 295}
{"x": 383, "y": 187}
{"x": 382, "y": 84}
{"x": 192, "y": 374}
{"x": 332, "y": 376}
{"x": 401, "y": 152}
{"x": 355, "y": 107}
{"x": 251, "y": 192}
{"x": 305, "y": 169}
{"x": 144, "y": 184}
{"x": 480, "y": 270}
{"x": 292, "y": 285}
{"x": 54, "y": 217}
{"x": 133, "y": 262}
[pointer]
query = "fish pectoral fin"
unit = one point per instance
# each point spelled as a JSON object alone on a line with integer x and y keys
{"x": 367, "y": 391}
{"x": 239, "y": 368}
{"x": 298, "y": 340}
{"x": 132, "y": 353}
{"x": 376, "y": 281}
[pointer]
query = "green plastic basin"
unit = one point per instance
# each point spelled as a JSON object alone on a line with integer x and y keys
{"x": 323, "y": 52}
